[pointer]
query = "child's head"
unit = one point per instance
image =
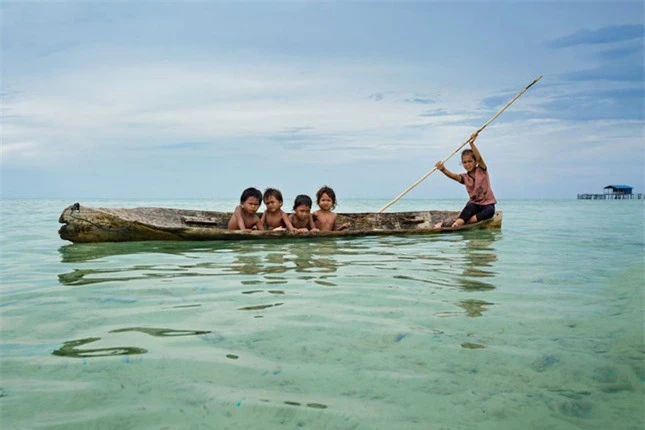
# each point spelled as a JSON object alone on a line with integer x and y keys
{"x": 250, "y": 200}
{"x": 272, "y": 192}
{"x": 272, "y": 199}
{"x": 327, "y": 197}
{"x": 251, "y": 192}
{"x": 468, "y": 159}
{"x": 302, "y": 206}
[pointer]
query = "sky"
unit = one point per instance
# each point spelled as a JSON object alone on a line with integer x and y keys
{"x": 171, "y": 100}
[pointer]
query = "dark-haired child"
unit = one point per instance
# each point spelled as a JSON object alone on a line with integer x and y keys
{"x": 245, "y": 216}
{"x": 301, "y": 218}
{"x": 274, "y": 218}
{"x": 324, "y": 218}
{"x": 482, "y": 201}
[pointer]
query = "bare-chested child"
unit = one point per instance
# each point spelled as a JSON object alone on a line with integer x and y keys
{"x": 245, "y": 215}
{"x": 301, "y": 218}
{"x": 324, "y": 218}
{"x": 274, "y": 218}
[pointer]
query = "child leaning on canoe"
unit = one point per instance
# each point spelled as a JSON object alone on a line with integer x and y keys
{"x": 245, "y": 216}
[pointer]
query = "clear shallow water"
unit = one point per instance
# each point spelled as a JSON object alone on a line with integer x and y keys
{"x": 539, "y": 325}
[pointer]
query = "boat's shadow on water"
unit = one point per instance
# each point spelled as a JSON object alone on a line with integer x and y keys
{"x": 82, "y": 252}
{"x": 272, "y": 260}
{"x": 193, "y": 259}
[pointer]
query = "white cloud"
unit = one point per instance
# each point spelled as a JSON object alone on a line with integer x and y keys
{"x": 99, "y": 107}
{"x": 20, "y": 149}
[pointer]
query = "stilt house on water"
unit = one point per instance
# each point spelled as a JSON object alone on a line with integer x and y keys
{"x": 613, "y": 192}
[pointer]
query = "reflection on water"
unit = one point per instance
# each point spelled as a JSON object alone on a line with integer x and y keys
{"x": 161, "y": 332}
{"x": 298, "y": 256}
{"x": 479, "y": 256}
{"x": 471, "y": 345}
{"x": 474, "y": 308}
{"x": 82, "y": 252}
{"x": 260, "y": 307}
{"x": 309, "y": 405}
{"x": 71, "y": 348}
{"x": 264, "y": 262}
{"x": 475, "y": 285}
{"x": 467, "y": 259}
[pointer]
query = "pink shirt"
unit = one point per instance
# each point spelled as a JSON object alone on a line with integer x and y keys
{"x": 479, "y": 188}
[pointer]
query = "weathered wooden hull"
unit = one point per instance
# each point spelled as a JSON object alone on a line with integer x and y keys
{"x": 83, "y": 224}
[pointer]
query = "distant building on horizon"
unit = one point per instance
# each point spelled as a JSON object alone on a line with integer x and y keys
{"x": 613, "y": 192}
{"x": 618, "y": 189}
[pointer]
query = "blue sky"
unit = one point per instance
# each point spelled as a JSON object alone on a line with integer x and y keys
{"x": 201, "y": 100}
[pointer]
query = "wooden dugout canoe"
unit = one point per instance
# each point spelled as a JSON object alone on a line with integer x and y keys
{"x": 84, "y": 224}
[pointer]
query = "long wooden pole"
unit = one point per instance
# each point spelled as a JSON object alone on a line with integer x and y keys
{"x": 429, "y": 172}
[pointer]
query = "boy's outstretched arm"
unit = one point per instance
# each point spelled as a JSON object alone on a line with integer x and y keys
{"x": 476, "y": 153}
{"x": 447, "y": 172}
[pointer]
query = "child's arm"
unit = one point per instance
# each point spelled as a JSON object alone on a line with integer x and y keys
{"x": 263, "y": 220}
{"x": 295, "y": 222}
{"x": 287, "y": 221}
{"x": 318, "y": 222}
{"x": 312, "y": 224}
{"x": 447, "y": 172}
{"x": 259, "y": 224}
{"x": 476, "y": 153}
{"x": 239, "y": 217}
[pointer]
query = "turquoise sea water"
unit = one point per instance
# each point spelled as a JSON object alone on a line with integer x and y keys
{"x": 539, "y": 325}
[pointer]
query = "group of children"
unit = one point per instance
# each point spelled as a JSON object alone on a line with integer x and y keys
{"x": 302, "y": 220}
{"x": 480, "y": 206}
